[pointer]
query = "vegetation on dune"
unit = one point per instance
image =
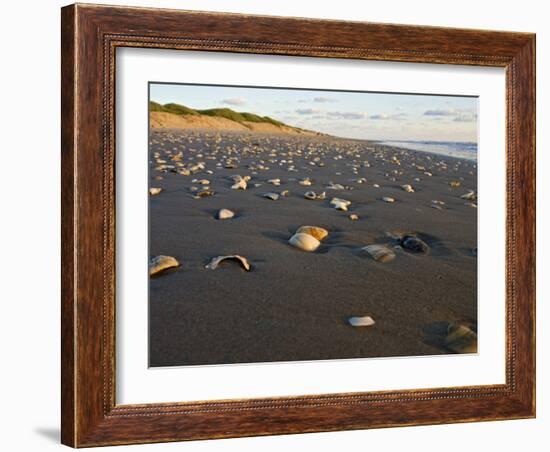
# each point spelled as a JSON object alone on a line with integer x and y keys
{"x": 226, "y": 113}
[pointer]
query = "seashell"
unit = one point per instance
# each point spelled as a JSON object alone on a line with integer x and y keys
{"x": 285, "y": 193}
{"x": 470, "y": 204}
{"x": 310, "y": 195}
{"x": 470, "y": 196}
{"x": 427, "y": 173}
{"x": 306, "y": 182}
{"x": 271, "y": 195}
{"x": 154, "y": 191}
{"x": 436, "y": 206}
{"x": 184, "y": 172}
{"x": 414, "y": 244}
{"x": 240, "y": 184}
{"x": 225, "y": 214}
{"x": 376, "y": 185}
{"x": 340, "y": 204}
{"x": 314, "y": 231}
{"x": 332, "y": 186}
{"x": 322, "y": 195}
{"x": 380, "y": 253}
{"x": 204, "y": 182}
{"x": 454, "y": 183}
{"x": 353, "y": 217}
{"x": 205, "y": 193}
{"x": 388, "y": 199}
{"x": 461, "y": 339}
{"x": 305, "y": 242}
{"x": 215, "y": 262}
{"x": 160, "y": 263}
{"x": 361, "y": 321}
{"x": 408, "y": 188}
{"x": 274, "y": 181}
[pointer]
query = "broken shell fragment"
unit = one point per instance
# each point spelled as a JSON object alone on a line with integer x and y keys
{"x": 304, "y": 242}
{"x": 216, "y": 261}
{"x": 388, "y": 199}
{"x": 154, "y": 191}
{"x": 361, "y": 321}
{"x": 461, "y": 339}
{"x": 414, "y": 244}
{"x": 314, "y": 231}
{"x": 225, "y": 214}
{"x": 380, "y": 253}
{"x": 340, "y": 204}
{"x": 408, "y": 188}
{"x": 239, "y": 184}
{"x": 205, "y": 193}
{"x": 160, "y": 263}
{"x": 271, "y": 195}
{"x": 310, "y": 195}
{"x": 306, "y": 182}
{"x": 353, "y": 217}
{"x": 470, "y": 196}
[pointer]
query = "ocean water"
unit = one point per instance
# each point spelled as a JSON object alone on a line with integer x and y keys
{"x": 464, "y": 150}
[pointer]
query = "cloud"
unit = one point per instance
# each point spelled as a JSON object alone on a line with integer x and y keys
{"x": 440, "y": 112}
{"x": 394, "y": 116}
{"x": 323, "y": 99}
{"x": 307, "y": 111}
{"x": 465, "y": 118}
{"x": 234, "y": 101}
{"x": 346, "y": 115}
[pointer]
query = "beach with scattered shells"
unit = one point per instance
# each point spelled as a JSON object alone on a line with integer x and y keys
{"x": 273, "y": 247}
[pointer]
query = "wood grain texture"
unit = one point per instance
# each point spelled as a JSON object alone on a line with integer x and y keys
{"x": 90, "y": 36}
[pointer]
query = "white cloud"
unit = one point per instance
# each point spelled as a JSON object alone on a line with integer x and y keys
{"x": 307, "y": 111}
{"x": 440, "y": 112}
{"x": 234, "y": 101}
{"x": 324, "y": 99}
{"x": 346, "y": 115}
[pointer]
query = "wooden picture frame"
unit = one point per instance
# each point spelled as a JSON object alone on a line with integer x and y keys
{"x": 90, "y": 36}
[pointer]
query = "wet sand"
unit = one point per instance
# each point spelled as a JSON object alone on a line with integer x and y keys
{"x": 294, "y": 305}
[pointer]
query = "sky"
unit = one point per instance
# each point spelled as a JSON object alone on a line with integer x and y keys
{"x": 363, "y": 115}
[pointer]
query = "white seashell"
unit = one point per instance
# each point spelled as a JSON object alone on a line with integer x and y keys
{"x": 380, "y": 253}
{"x": 204, "y": 182}
{"x": 154, "y": 191}
{"x": 215, "y": 262}
{"x": 239, "y": 185}
{"x": 408, "y": 188}
{"x": 285, "y": 193}
{"x": 376, "y": 185}
{"x": 470, "y": 196}
{"x": 314, "y": 231}
{"x": 276, "y": 182}
{"x": 322, "y": 195}
{"x": 353, "y": 217}
{"x": 160, "y": 263}
{"x": 305, "y": 182}
{"x": 303, "y": 241}
{"x": 388, "y": 199}
{"x": 225, "y": 214}
{"x": 340, "y": 204}
{"x": 361, "y": 321}
{"x": 310, "y": 195}
{"x": 271, "y": 195}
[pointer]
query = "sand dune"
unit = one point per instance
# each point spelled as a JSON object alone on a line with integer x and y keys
{"x": 164, "y": 120}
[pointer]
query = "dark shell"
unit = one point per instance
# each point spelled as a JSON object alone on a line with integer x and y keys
{"x": 414, "y": 244}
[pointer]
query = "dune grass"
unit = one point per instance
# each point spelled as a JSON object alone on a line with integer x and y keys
{"x": 227, "y": 113}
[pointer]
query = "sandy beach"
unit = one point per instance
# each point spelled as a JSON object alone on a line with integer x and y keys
{"x": 295, "y": 305}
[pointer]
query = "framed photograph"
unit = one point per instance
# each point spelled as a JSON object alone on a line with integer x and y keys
{"x": 281, "y": 225}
